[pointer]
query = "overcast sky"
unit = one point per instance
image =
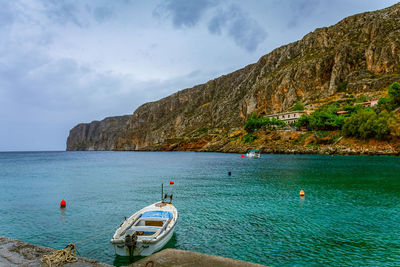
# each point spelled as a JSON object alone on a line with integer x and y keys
{"x": 66, "y": 62}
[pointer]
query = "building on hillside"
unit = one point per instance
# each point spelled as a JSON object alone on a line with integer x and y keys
{"x": 370, "y": 104}
{"x": 342, "y": 112}
{"x": 288, "y": 117}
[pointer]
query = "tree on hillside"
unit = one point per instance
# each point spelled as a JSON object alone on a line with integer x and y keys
{"x": 298, "y": 106}
{"x": 394, "y": 93}
{"x": 368, "y": 124}
{"x": 384, "y": 103}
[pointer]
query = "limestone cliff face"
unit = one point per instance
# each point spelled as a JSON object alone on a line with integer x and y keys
{"x": 362, "y": 50}
{"x": 97, "y": 135}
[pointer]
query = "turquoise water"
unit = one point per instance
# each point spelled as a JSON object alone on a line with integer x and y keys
{"x": 349, "y": 216}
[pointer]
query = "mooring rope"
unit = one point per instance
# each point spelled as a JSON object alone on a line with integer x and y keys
{"x": 96, "y": 236}
{"x": 67, "y": 254}
{"x": 62, "y": 256}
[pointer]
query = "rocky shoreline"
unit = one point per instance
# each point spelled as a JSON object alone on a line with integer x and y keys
{"x": 328, "y": 150}
{"x": 282, "y": 142}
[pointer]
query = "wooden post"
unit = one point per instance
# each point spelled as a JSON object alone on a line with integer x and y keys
{"x": 162, "y": 193}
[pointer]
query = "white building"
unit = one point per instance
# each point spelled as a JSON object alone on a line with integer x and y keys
{"x": 288, "y": 117}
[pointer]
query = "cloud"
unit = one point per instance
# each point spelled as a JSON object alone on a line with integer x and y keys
{"x": 244, "y": 30}
{"x": 102, "y": 14}
{"x": 63, "y": 12}
{"x": 184, "y": 13}
{"x": 299, "y": 10}
{"x": 6, "y": 15}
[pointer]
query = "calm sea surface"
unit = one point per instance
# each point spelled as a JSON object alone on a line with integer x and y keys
{"x": 349, "y": 216}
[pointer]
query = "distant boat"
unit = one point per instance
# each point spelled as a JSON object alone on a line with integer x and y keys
{"x": 253, "y": 153}
{"x": 146, "y": 231}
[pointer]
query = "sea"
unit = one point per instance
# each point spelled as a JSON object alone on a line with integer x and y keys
{"x": 349, "y": 216}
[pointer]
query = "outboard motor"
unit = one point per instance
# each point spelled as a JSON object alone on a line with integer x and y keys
{"x": 130, "y": 242}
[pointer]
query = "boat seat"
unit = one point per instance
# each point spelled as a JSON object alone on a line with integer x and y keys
{"x": 150, "y": 235}
{"x": 154, "y": 223}
{"x": 150, "y": 222}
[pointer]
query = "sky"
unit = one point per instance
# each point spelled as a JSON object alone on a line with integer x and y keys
{"x": 63, "y": 62}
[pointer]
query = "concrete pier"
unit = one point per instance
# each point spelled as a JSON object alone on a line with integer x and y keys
{"x": 17, "y": 253}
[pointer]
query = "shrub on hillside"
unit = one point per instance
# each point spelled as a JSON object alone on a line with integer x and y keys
{"x": 325, "y": 118}
{"x": 298, "y": 106}
{"x": 250, "y": 137}
{"x": 342, "y": 87}
{"x": 367, "y": 124}
{"x": 255, "y": 123}
{"x": 384, "y": 104}
{"x": 394, "y": 93}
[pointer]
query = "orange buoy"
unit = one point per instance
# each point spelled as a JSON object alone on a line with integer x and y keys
{"x": 171, "y": 182}
{"x": 242, "y": 156}
{"x": 63, "y": 204}
{"x": 301, "y": 193}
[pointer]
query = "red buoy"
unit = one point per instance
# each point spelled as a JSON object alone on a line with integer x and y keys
{"x": 63, "y": 204}
{"x": 171, "y": 182}
{"x": 242, "y": 156}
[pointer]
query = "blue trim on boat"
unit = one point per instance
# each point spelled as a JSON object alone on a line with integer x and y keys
{"x": 157, "y": 214}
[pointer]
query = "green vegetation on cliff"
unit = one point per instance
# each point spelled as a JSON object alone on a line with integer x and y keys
{"x": 298, "y": 106}
{"x": 360, "y": 122}
{"x": 255, "y": 123}
{"x": 366, "y": 123}
{"x": 378, "y": 122}
{"x": 325, "y": 118}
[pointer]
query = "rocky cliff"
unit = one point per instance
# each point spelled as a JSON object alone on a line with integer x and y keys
{"x": 97, "y": 135}
{"x": 361, "y": 52}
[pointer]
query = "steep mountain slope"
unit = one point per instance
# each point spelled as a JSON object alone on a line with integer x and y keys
{"x": 97, "y": 135}
{"x": 362, "y": 51}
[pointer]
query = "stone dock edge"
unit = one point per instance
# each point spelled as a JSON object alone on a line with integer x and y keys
{"x": 18, "y": 253}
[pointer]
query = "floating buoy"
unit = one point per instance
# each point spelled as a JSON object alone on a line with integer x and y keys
{"x": 301, "y": 193}
{"x": 63, "y": 204}
{"x": 171, "y": 182}
{"x": 229, "y": 173}
{"x": 242, "y": 156}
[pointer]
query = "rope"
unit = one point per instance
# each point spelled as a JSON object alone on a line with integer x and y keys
{"x": 96, "y": 236}
{"x": 62, "y": 256}
{"x": 67, "y": 254}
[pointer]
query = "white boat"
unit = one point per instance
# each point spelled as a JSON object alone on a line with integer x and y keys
{"x": 253, "y": 153}
{"x": 146, "y": 231}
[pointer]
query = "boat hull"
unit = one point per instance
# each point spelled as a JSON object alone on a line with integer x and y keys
{"x": 253, "y": 156}
{"x": 143, "y": 249}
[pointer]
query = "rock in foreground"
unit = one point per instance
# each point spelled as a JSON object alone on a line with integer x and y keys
{"x": 18, "y": 253}
{"x": 181, "y": 258}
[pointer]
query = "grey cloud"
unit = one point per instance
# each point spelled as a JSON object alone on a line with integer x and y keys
{"x": 62, "y": 12}
{"x": 300, "y": 9}
{"x": 102, "y": 14}
{"x": 244, "y": 30}
{"x": 184, "y": 13}
{"x": 6, "y": 15}
{"x": 79, "y": 12}
{"x": 217, "y": 23}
